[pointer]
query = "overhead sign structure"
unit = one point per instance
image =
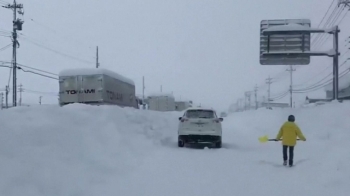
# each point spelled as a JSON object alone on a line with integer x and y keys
{"x": 345, "y": 2}
{"x": 293, "y": 42}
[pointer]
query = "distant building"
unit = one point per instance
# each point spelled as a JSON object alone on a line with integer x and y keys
{"x": 182, "y": 105}
{"x": 275, "y": 105}
{"x": 161, "y": 102}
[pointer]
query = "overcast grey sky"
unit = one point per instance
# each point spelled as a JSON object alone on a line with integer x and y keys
{"x": 203, "y": 50}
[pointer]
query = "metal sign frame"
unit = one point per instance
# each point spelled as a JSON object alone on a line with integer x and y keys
{"x": 292, "y": 42}
{"x": 345, "y": 2}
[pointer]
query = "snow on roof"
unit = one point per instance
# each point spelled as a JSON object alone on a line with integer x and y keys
{"x": 95, "y": 71}
{"x": 200, "y": 108}
{"x": 183, "y": 100}
{"x": 289, "y": 27}
{"x": 344, "y": 82}
{"x": 160, "y": 94}
{"x": 329, "y": 52}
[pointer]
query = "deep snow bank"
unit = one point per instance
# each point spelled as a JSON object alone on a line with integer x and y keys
{"x": 51, "y": 150}
{"x": 328, "y": 123}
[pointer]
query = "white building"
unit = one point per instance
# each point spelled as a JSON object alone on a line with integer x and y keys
{"x": 161, "y": 102}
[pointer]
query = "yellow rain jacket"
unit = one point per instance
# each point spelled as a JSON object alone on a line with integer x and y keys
{"x": 289, "y": 132}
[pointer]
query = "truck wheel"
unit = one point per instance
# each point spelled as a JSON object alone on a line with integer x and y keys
{"x": 180, "y": 143}
{"x": 218, "y": 144}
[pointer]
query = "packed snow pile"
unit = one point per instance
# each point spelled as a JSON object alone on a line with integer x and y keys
{"x": 49, "y": 150}
{"x": 105, "y": 150}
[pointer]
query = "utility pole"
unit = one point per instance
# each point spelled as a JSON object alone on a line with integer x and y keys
{"x": 291, "y": 69}
{"x": 20, "y": 94}
{"x": 264, "y": 99}
{"x": 97, "y": 63}
{"x": 7, "y": 95}
{"x": 269, "y": 82}
{"x": 143, "y": 92}
{"x": 40, "y": 100}
{"x": 249, "y": 101}
{"x": 17, "y": 25}
{"x": 247, "y": 96}
{"x": 336, "y": 64}
{"x": 2, "y": 100}
{"x": 240, "y": 105}
{"x": 336, "y": 57}
{"x": 256, "y": 96}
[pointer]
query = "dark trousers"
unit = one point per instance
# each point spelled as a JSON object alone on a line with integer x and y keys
{"x": 291, "y": 154}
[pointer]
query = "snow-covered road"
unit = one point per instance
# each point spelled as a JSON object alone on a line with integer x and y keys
{"x": 83, "y": 150}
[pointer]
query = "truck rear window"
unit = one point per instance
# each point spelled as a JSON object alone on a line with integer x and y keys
{"x": 200, "y": 114}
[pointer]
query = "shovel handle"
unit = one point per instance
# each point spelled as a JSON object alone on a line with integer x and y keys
{"x": 279, "y": 140}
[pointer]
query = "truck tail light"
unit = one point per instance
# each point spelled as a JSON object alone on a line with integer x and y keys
{"x": 218, "y": 120}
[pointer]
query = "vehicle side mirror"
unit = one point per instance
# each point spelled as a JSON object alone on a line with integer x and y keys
{"x": 180, "y": 118}
{"x": 221, "y": 119}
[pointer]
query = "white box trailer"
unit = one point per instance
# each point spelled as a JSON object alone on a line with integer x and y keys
{"x": 161, "y": 102}
{"x": 96, "y": 86}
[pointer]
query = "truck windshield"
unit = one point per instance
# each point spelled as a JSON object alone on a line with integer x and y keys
{"x": 200, "y": 114}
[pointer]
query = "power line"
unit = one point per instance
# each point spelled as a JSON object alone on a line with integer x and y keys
{"x": 310, "y": 88}
{"x": 320, "y": 36}
{"x": 281, "y": 97}
{"x": 32, "y": 68}
{"x": 5, "y": 47}
{"x": 280, "y": 94}
{"x": 324, "y": 78}
{"x": 321, "y": 43}
{"x": 316, "y": 87}
{"x": 3, "y": 2}
{"x": 37, "y": 69}
{"x": 5, "y": 31}
{"x": 320, "y": 73}
{"x": 36, "y": 73}
{"x": 67, "y": 38}
{"x": 329, "y": 7}
{"x": 58, "y": 52}
{"x": 40, "y": 92}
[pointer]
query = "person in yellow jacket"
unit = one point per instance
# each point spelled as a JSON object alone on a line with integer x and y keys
{"x": 289, "y": 133}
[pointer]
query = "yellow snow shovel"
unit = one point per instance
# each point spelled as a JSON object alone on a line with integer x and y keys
{"x": 265, "y": 139}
